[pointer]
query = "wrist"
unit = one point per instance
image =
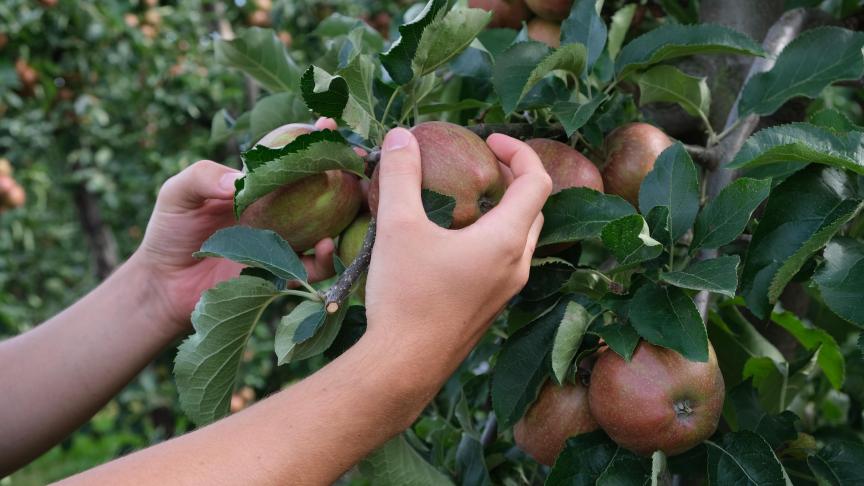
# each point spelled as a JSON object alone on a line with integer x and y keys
{"x": 154, "y": 296}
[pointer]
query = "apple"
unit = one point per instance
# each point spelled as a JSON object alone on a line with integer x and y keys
{"x": 630, "y": 154}
{"x": 505, "y": 13}
{"x": 657, "y": 401}
{"x": 310, "y": 209}
{"x": 457, "y": 163}
{"x": 556, "y": 10}
{"x": 5, "y": 167}
{"x": 558, "y": 413}
{"x": 349, "y": 247}
{"x": 566, "y": 166}
{"x": 545, "y": 31}
{"x": 259, "y": 18}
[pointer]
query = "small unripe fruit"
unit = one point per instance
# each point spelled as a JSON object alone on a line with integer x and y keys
{"x": 455, "y": 162}
{"x": 545, "y": 31}
{"x": 630, "y": 154}
{"x": 505, "y": 13}
{"x": 556, "y": 10}
{"x": 657, "y": 401}
{"x": 558, "y": 413}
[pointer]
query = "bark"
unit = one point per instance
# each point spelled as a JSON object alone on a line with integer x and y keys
{"x": 103, "y": 246}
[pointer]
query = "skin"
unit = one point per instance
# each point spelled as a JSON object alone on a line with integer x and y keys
{"x": 456, "y": 163}
{"x": 558, "y": 413}
{"x": 545, "y": 31}
{"x": 555, "y": 10}
{"x": 307, "y": 210}
{"x": 566, "y": 166}
{"x": 630, "y": 154}
{"x": 657, "y": 401}
{"x": 431, "y": 295}
{"x": 350, "y": 243}
{"x": 505, "y": 13}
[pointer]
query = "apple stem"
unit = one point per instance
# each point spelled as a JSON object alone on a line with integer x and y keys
{"x": 339, "y": 292}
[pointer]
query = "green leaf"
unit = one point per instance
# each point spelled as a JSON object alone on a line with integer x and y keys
{"x": 621, "y": 337}
{"x": 834, "y": 120}
{"x": 260, "y": 54}
{"x": 658, "y": 220}
{"x": 207, "y": 362}
{"x": 839, "y": 463}
{"x": 274, "y": 111}
{"x": 548, "y": 276}
{"x": 744, "y": 458}
{"x": 618, "y": 28}
{"x": 584, "y": 26}
{"x": 592, "y": 459}
{"x": 523, "y": 65}
{"x": 438, "y": 207}
{"x": 629, "y": 239}
{"x": 828, "y": 355}
{"x": 802, "y": 142}
{"x": 744, "y": 412}
{"x": 667, "y": 317}
{"x": 801, "y": 215}
{"x": 735, "y": 341}
{"x": 324, "y": 93}
{"x": 674, "y": 40}
{"x": 771, "y": 378}
{"x": 669, "y": 84}
{"x": 396, "y": 463}
{"x": 840, "y": 278}
{"x": 337, "y": 25}
{"x": 398, "y": 59}
{"x": 673, "y": 183}
{"x": 810, "y": 63}
{"x": 447, "y": 38}
{"x": 257, "y": 248}
{"x": 471, "y": 462}
{"x": 523, "y": 365}
{"x": 718, "y": 275}
{"x": 359, "y": 111}
{"x": 307, "y": 331}
{"x": 307, "y": 155}
{"x": 726, "y": 216}
{"x": 579, "y": 213}
{"x": 568, "y": 338}
{"x": 221, "y": 127}
{"x": 574, "y": 116}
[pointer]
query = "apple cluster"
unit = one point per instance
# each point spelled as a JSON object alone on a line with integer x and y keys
{"x": 12, "y": 195}
{"x": 543, "y": 17}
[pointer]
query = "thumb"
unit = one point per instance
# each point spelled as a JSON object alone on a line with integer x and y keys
{"x": 197, "y": 183}
{"x": 399, "y": 177}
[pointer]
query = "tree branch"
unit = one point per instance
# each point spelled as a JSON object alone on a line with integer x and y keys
{"x": 339, "y": 292}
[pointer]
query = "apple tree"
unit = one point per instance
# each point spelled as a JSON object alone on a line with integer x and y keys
{"x": 696, "y": 321}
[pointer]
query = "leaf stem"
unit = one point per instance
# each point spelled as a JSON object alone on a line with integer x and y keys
{"x": 313, "y": 295}
{"x": 389, "y": 105}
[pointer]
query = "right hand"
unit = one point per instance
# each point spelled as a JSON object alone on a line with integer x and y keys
{"x": 438, "y": 289}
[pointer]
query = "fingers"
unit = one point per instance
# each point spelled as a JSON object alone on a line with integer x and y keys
{"x": 197, "y": 183}
{"x": 399, "y": 178}
{"x": 325, "y": 124}
{"x": 320, "y": 265}
{"x": 530, "y": 187}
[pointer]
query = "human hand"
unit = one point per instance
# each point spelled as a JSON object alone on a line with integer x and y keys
{"x": 438, "y": 289}
{"x": 191, "y": 206}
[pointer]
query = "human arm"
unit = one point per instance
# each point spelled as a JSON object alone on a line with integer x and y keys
{"x": 431, "y": 295}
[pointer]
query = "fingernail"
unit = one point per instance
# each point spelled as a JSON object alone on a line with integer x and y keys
{"x": 396, "y": 139}
{"x": 226, "y": 182}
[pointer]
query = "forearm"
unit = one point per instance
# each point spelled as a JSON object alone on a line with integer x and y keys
{"x": 56, "y": 376}
{"x": 310, "y": 433}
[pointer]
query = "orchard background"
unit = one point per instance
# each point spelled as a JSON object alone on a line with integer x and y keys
{"x": 101, "y": 101}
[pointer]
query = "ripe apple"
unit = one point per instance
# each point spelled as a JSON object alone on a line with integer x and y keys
{"x": 557, "y": 10}
{"x": 5, "y": 167}
{"x": 630, "y": 154}
{"x": 657, "y": 401}
{"x": 349, "y": 247}
{"x": 558, "y": 413}
{"x": 310, "y": 209}
{"x": 505, "y": 13}
{"x": 566, "y": 166}
{"x": 545, "y": 31}
{"x": 457, "y": 163}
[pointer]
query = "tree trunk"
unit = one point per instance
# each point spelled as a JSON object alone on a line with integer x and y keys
{"x": 103, "y": 246}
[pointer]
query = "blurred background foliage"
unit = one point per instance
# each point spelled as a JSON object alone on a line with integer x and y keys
{"x": 100, "y": 102}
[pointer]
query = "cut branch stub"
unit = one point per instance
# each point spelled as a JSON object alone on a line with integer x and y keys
{"x": 336, "y": 295}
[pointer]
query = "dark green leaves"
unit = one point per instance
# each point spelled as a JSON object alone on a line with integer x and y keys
{"x": 744, "y": 458}
{"x": 398, "y": 59}
{"x": 621, "y": 337}
{"x": 666, "y": 83}
{"x": 325, "y": 94}
{"x": 568, "y": 338}
{"x": 802, "y": 214}
{"x": 257, "y": 248}
{"x": 629, "y": 240}
{"x": 726, "y": 216}
{"x": 447, "y": 38}
{"x": 675, "y": 40}
{"x": 841, "y": 279}
{"x": 523, "y": 65}
{"x": 802, "y": 142}
{"x": 307, "y": 331}
{"x": 591, "y": 459}
{"x": 260, "y": 54}
{"x": 439, "y": 207}
{"x": 584, "y": 26}
{"x": 579, "y": 213}
{"x": 574, "y": 115}
{"x": 840, "y": 462}
{"x": 396, "y": 463}
{"x": 667, "y": 317}
{"x": 674, "y": 183}
{"x": 828, "y": 355}
{"x": 811, "y": 62}
{"x": 719, "y": 275}
{"x": 207, "y": 361}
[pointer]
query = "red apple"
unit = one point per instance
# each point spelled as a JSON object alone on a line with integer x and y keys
{"x": 630, "y": 154}
{"x": 505, "y": 13}
{"x": 545, "y": 31}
